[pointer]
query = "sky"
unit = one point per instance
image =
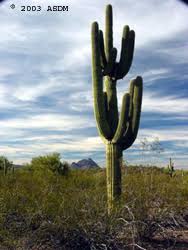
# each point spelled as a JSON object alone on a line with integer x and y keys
{"x": 46, "y": 102}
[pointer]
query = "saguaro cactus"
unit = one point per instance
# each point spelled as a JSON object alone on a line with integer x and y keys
{"x": 118, "y": 131}
{"x": 5, "y": 167}
{"x": 171, "y": 167}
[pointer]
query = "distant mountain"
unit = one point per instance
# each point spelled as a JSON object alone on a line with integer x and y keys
{"x": 84, "y": 164}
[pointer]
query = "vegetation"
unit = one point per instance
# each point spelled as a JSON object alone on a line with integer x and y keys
{"x": 5, "y": 165}
{"x": 53, "y": 211}
{"x": 117, "y": 131}
{"x": 49, "y": 163}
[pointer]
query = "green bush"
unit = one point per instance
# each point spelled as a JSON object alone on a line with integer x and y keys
{"x": 51, "y": 162}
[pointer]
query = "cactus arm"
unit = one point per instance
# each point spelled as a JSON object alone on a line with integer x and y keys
{"x": 111, "y": 63}
{"x": 107, "y": 67}
{"x": 123, "y": 120}
{"x": 99, "y": 108}
{"x": 137, "y": 103}
{"x": 127, "y": 50}
{"x": 108, "y": 31}
{"x": 131, "y": 92}
{"x": 102, "y": 51}
{"x": 130, "y": 49}
{"x": 136, "y": 89}
{"x": 122, "y": 65}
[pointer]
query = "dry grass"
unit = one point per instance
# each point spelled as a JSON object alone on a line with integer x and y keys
{"x": 69, "y": 212}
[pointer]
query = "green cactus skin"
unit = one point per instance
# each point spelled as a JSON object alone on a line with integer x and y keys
{"x": 118, "y": 131}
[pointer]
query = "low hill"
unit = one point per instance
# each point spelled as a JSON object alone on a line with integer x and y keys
{"x": 84, "y": 164}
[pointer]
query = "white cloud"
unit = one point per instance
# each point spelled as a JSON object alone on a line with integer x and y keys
{"x": 177, "y": 54}
{"x": 166, "y": 134}
{"x": 155, "y": 74}
{"x": 31, "y": 93}
{"x": 156, "y": 24}
{"x": 47, "y": 121}
{"x": 45, "y": 145}
{"x": 81, "y": 145}
{"x": 164, "y": 104}
{"x": 5, "y": 71}
{"x": 81, "y": 101}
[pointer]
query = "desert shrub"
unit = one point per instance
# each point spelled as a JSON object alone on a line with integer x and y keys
{"x": 51, "y": 162}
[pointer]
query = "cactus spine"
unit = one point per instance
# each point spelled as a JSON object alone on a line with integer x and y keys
{"x": 118, "y": 131}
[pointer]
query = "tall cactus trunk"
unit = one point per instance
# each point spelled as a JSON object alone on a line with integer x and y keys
{"x": 113, "y": 169}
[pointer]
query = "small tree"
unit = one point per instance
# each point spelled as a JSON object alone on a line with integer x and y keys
{"x": 152, "y": 148}
{"x": 50, "y": 162}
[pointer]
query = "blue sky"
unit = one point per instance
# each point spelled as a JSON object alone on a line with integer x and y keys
{"x": 45, "y": 78}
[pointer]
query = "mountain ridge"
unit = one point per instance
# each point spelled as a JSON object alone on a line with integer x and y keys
{"x": 85, "y": 164}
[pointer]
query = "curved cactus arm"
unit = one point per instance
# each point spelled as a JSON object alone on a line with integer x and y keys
{"x": 123, "y": 119}
{"x": 107, "y": 66}
{"x": 111, "y": 63}
{"x": 102, "y": 51}
{"x": 122, "y": 65}
{"x": 99, "y": 107}
{"x": 108, "y": 31}
{"x": 137, "y": 103}
{"x": 136, "y": 89}
{"x": 127, "y": 51}
{"x": 131, "y": 48}
{"x": 131, "y": 92}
